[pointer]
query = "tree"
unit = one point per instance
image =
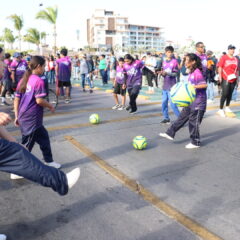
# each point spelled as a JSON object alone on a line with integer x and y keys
{"x": 34, "y": 36}
{"x": 8, "y": 37}
{"x": 50, "y": 15}
{"x": 18, "y": 25}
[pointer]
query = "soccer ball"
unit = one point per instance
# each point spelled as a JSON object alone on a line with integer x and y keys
{"x": 139, "y": 142}
{"x": 183, "y": 94}
{"x": 94, "y": 118}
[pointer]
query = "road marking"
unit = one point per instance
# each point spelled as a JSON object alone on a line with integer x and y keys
{"x": 148, "y": 196}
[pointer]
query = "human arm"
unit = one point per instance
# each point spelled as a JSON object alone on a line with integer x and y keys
{"x": 16, "y": 105}
{"x": 43, "y": 103}
{"x": 4, "y": 120}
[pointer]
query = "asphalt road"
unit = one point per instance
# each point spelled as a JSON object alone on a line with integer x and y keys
{"x": 202, "y": 184}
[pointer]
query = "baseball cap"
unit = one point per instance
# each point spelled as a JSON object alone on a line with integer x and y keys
{"x": 231, "y": 47}
{"x": 17, "y": 54}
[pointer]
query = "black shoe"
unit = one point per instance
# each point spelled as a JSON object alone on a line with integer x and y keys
{"x": 133, "y": 112}
{"x": 128, "y": 108}
{"x": 165, "y": 121}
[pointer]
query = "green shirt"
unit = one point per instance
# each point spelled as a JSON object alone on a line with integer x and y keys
{"x": 103, "y": 64}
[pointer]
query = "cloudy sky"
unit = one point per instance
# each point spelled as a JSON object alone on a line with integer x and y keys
{"x": 215, "y": 22}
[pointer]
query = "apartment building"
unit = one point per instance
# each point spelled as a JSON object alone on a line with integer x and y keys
{"x": 106, "y": 29}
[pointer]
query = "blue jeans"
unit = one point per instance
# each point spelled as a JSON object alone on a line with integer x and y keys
{"x": 234, "y": 94}
{"x": 84, "y": 78}
{"x": 165, "y": 99}
{"x": 51, "y": 76}
{"x": 75, "y": 72}
{"x": 210, "y": 91}
{"x": 16, "y": 159}
{"x": 104, "y": 75}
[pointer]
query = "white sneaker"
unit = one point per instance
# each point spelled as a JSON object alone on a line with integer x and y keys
{"x": 3, "y": 237}
{"x": 164, "y": 135}
{"x": 191, "y": 146}
{"x": 116, "y": 107}
{"x": 228, "y": 110}
{"x": 209, "y": 101}
{"x": 14, "y": 177}
{"x": 72, "y": 177}
{"x": 54, "y": 164}
{"x": 121, "y": 108}
{"x": 221, "y": 113}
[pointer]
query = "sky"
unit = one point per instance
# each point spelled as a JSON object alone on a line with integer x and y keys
{"x": 214, "y": 22}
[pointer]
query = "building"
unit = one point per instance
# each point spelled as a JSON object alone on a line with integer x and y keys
{"x": 105, "y": 29}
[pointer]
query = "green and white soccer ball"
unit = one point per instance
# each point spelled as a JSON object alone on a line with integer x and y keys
{"x": 139, "y": 142}
{"x": 94, "y": 118}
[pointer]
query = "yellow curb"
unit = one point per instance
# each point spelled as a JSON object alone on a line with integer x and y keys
{"x": 109, "y": 91}
{"x": 144, "y": 97}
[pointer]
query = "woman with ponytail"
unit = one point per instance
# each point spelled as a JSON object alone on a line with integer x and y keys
{"x": 28, "y": 106}
{"x": 194, "y": 113}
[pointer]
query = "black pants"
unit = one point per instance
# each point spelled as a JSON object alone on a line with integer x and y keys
{"x": 194, "y": 118}
{"x": 150, "y": 77}
{"x": 41, "y": 137}
{"x": 227, "y": 90}
{"x": 133, "y": 94}
{"x": 16, "y": 159}
{"x": 7, "y": 87}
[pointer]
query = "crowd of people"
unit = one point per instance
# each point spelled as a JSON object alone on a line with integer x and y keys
{"x": 25, "y": 80}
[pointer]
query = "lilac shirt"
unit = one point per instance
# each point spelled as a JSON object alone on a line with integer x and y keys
{"x": 19, "y": 68}
{"x": 196, "y": 78}
{"x": 30, "y": 114}
{"x": 134, "y": 73}
{"x": 203, "y": 58}
{"x": 7, "y": 73}
{"x": 120, "y": 75}
{"x": 64, "y": 69}
{"x": 169, "y": 67}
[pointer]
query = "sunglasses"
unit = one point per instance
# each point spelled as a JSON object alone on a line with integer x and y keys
{"x": 201, "y": 47}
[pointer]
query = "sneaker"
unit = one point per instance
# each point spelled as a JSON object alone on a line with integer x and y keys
{"x": 54, "y": 164}
{"x": 116, "y": 107}
{"x": 191, "y": 146}
{"x": 128, "y": 108}
{"x": 67, "y": 101}
{"x": 165, "y": 135}
{"x": 133, "y": 112}
{"x": 221, "y": 113}
{"x": 3, "y": 237}
{"x": 165, "y": 121}
{"x": 121, "y": 108}
{"x": 14, "y": 177}
{"x": 91, "y": 91}
{"x": 72, "y": 177}
{"x": 4, "y": 104}
{"x": 228, "y": 110}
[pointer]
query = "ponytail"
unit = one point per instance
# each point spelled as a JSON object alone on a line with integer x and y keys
{"x": 34, "y": 63}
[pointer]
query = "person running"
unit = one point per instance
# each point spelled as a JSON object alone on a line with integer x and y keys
{"x": 228, "y": 70}
{"x": 15, "y": 159}
{"x": 18, "y": 67}
{"x": 7, "y": 79}
{"x": 133, "y": 80}
{"x": 169, "y": 72}
{"x": 194, "y": 113}
{"x": 63, "y": 71}
{"x": 103, "y": 67}
{"x": 28, "y": 106}
{"x": 119, "y": 87}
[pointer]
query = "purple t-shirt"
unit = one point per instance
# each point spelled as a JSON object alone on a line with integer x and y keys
{"x": 134, "y": 73}
{"x": 120, "y": 75}
{"x": 7, "y": 72}
{"x": 196, "y": 78}
{"x": 64, "y": 69}
{"x": 30, "y": 114}
{"x": 203, "y": 58}
{"x": 169, "y": 67}
{"x": 19, "y": 68}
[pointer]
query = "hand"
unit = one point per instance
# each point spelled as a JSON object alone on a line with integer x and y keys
{"x": 4, "y": 119}
{"x": 52, "y": 109}
{"x": 124, "y": 86}
{"x": 164, "y": 73}
{"x": 16, "y": 123}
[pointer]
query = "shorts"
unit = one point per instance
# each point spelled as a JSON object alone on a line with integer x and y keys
{"x": 112, "y": 74}
{"x": 64, "y": 84}
{"x": 118, "y": 89}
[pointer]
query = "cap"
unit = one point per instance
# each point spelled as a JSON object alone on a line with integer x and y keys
{"x": 231, "y": 47}
{"x": 17, "y": 54}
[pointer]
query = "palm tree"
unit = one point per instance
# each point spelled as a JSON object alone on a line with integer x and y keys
{"x": 18, "y": 25}
{"x": 34, "y": 36}
{"x": 50, "y": 15}
{"x": 8, "y": 37}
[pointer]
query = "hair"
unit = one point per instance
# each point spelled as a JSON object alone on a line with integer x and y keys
{"x": 7, "y": 55}
{"x": 64, "y": 52}
{"x": 198, "y": 64}
{"x": 198, "y": 43}
{"x": 52, "y": 58}
{"x": 136, "y": 57}
{"x": 34, "y": 63}
{"x": 103, "y": 55}
{"x": 121, "y": 59}
{"x": 129, "y": 57}
{"x": 1, "y": 50}
{"x": 169, "y": 48}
